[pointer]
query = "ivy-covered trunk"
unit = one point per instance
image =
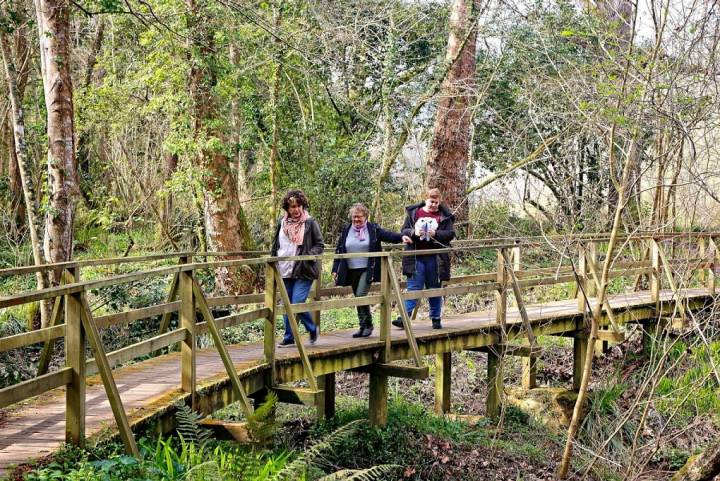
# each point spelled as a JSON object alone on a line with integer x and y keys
{"x": 225, "y": 225}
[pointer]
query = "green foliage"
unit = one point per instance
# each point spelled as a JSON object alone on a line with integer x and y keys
{"x": 261, "y": 423}
{"x": 692, "y": 389}
{"x": 15, "y": 365}
{"x": 595, "y": 428}
{"x": 673, "y": 458}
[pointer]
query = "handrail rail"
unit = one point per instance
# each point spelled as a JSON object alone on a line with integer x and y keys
{"x": 509, "y": 241}
{"x": 47, "y": 293}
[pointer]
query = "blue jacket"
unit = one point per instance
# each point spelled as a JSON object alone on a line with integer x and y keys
{"x": 377, "y": 235}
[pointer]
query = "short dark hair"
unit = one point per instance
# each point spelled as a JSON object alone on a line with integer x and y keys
{"x": 296, "y": 195}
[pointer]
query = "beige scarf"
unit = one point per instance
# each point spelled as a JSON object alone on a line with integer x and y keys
{"x": 295, "y": 228}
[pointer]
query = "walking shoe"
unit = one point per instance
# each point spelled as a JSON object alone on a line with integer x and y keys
{"x": 286, "y": 343}
{"x": 313, "y": 337}
{"x": 436, "y": 323}
{"x": 359, "y": 332}
{"x": 367, "y": 331}
{"x": 398, "y": 323}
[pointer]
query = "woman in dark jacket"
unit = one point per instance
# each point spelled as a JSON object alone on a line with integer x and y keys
{"x": 361, "y": 236}
{"x": 297, "y": 234}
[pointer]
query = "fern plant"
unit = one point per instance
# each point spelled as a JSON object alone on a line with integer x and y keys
{"x": 261, "y": 423}
{"x": 316, "y": 454}
{"x": 371, "y": 474}
{"x": 189, "y": 427}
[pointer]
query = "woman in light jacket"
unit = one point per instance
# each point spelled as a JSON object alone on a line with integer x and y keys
{"x": 361, "y": 236}
{"x": 297, "y": 234}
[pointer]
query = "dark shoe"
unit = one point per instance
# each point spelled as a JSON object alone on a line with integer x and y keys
{"x": 436, "y": 323}
{"x": 398, "y": 323}
{"x": 359, "y": 332}
{"x": 286, "y": 343}
{"x": 367, "y": 331}
{"x": 313, "y": 337}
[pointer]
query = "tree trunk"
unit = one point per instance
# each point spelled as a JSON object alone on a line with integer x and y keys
{"x": 53, "y": 19}
{"x": 83, "y": 141}
{"x": 241, "y": 153}
{"x": 450, "y": 148}
{"x": 24, "y": 167}
{"x": 273, "y": 158}
{"x": 17, "y": 206}
{"x": 169, "y": 168}
{"x": 225, "y": 224}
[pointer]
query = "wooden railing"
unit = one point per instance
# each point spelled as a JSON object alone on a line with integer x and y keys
{"x": 574, "y": 260}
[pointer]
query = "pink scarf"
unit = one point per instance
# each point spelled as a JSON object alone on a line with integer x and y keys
{"x": 295, "y": 228}
{"x": 360, "y": 231}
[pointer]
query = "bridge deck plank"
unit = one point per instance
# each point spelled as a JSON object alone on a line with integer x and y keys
{"x": 36, "y": 428}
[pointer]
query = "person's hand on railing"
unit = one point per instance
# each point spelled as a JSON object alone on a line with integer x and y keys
{"x": 407, "y": 239}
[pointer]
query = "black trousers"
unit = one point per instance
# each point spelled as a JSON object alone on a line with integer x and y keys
{"x": 360, "y": 287}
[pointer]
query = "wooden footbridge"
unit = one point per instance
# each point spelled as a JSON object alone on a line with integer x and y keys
{"x": 654, "y": 277}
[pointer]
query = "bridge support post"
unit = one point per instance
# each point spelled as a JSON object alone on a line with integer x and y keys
{"x": 378, "y": 399}
{"x": 75, "y": 359}
{"x": 587, "y": 287}
{"x": 187, "y": 347}
{"x": 326, "y": 401}
{"x": 653, "y": 330}
{"x": 443, "y": 382}
{"x": 495, "y": 382}
{"x": 580, "y": 352}
{"x": 529, "y": 372}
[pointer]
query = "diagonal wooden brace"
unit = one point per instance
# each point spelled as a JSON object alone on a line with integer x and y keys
{"x": 95, "y": 341}
{"x": 201, "y": 303}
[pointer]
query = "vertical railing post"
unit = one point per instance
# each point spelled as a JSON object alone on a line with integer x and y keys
{"x": 74, "y": 359}
{"x": 516, "y": 256}
{"x": 269, "y": 330}
{"x": 655, "y": 280}
{"x": 378, "y": 406}
{"x": 711, "y": 270}
{"x": 583, "y": 274}
{"x": 501, "y": 291}
{"x": 702, "y": 248}
{"x": 188, "y": 346}
{"x": 496, "y": 354}
{"x": 317, "y": 286}
{"x": 592, "y": 249}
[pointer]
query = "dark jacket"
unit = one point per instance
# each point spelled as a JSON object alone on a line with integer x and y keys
{"x": 444, "y": 234}
{"x": 377, "y": 235}
{"x": 312, "y": 245}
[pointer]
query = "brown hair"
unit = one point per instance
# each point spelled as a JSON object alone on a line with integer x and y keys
{"x": 360, "y": 209}
{"x": 296, "y": 195}
{"x": 433, "y": 193}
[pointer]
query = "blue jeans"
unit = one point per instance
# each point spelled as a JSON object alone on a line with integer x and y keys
{"x": 425, "y": 277}
{"x": 298, "y": 290}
